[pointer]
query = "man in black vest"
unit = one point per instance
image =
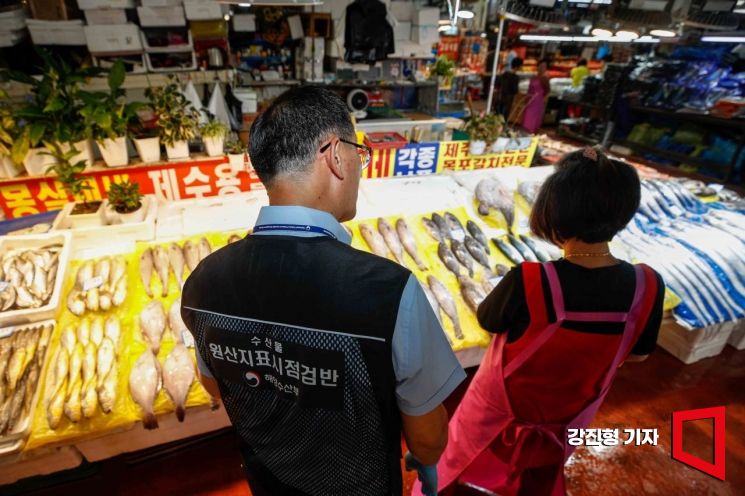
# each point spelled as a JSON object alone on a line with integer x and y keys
{"x": 322, "y": 354}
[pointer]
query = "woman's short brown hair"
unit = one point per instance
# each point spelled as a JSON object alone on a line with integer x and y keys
{"x": 590, "y": 198}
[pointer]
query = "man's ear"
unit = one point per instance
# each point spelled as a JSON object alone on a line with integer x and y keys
{"x": 334, "y": 161}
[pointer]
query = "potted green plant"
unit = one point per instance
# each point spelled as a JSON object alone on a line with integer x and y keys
{"x": 147, "y": 142}
{"x": 109, "y": 117}
{"x": 127, "y": 201}
{"x": 8, "y": 132}
{"x": 84, "y": 213}
{"x": 479, "y": 133}
{"x": 52, "y": 114}
{"x": 236, "y": 155}
{"x": 443, "y": 70}
{"x": 496, "y": 124}
{"x": 213, "y": 134}
{"x": 177, "y": 120}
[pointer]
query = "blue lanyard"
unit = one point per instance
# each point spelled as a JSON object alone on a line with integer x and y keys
{"x": 294, "y": 227}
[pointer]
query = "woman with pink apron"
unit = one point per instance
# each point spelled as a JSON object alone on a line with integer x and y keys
{"x": 538, "y": 91}
{"x": 508, "y": 435}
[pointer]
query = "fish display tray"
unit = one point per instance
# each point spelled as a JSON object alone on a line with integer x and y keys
{"x": 89, "y": 242}
{"x": 48, "y": 311}
{"x": 690, "y": 346}
{"x": 13, "y": 442}
{"x": 737, "y": 338}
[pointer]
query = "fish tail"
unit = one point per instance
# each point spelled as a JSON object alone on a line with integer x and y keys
{"x": 150, "y": 422}
{"x": 180, "y": 413}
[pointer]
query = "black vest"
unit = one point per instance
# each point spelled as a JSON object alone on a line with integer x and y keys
{"x": 297, "y": 332}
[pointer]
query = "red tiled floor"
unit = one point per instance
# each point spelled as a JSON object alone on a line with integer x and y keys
{"x": 643, "y": 396}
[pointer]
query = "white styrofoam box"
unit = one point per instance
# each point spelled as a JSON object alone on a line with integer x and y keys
{"x": 153, "y": 68}
{"x": 427, "y": 16}
{"x": 248, "y": 98}
{"x": 188, "y": 46}
{"x": 91, "y": 242}
{"x": 161, "y": 16}
{"x": 106, "y": 4}
{"x": 56, "y": 32}
{"x": 113, "y": 39}
{"x": 22, "y": 428}
{"x": 425, "y": 34}
{"x": 12, "y": 20}
{"x": 403, "y": 11}
{"x": 690, "y": 346}
{"x": 161, "y": 3}
{"x": 203, "y": 10}
{"x": 402, "y": 31}
{"x": 11, "y": 38}
{"x": 105, "y": 16}
{"x": 244, "y": 23}
{"x": 737, "y": 338}
{"x": 48, "y": 311}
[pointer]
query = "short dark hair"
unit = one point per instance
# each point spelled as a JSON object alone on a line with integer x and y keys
{"x": 590, "y": 197}
{"x": 582, "y": 62}
{"x": 287, "y": 135}
{"x": 516, "y": 63}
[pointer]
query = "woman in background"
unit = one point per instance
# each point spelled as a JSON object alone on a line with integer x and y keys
{"x": 537, "y": 93}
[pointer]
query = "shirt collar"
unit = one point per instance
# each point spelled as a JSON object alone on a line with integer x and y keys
{"x": 297, "y": 215}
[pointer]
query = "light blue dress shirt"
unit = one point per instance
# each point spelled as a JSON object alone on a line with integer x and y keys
{"x": 426, "y": 368}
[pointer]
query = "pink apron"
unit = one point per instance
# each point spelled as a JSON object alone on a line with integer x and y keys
{"x": 486, "y": 415}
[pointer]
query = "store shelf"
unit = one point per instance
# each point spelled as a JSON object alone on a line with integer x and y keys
{"x": 278, "y": 82}
{"x": 577, "y": 137}
{"x": 383, "y": 84}
{"x": 678, "y": 157}
{"x": 700, "y": 118}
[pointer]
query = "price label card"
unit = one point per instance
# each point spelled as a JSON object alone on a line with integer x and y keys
{"x": 93, "y": 283}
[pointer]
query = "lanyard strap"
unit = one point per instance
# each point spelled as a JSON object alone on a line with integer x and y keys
{"x": 294, "y": 227}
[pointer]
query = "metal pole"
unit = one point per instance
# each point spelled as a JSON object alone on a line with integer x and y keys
{"x": 495, "y": 64}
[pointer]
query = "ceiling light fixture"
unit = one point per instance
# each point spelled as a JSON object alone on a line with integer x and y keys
{"x": 723, "y": 39}
{"x": 465, "y": 14}
{"x": 663, "y": 33}
{"x": 601, "y": 33}
{"x": 627, "y": 35}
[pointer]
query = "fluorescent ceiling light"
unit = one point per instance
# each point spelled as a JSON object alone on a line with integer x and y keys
{"x": 663, "y": 33}
{"x": 627, "y": 35}
{"x": 601, "y": 33}
{"x": 465, "y": 14}
{"x": 244, "y": 5}
{"x": 545, "y": 37}
{"x": 723, "y": 39}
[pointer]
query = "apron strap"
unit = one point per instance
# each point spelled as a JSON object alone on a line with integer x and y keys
{"x": 549, "y": 330}
{"x": 596, "y": 316}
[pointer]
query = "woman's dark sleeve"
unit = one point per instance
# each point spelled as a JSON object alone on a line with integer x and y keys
{"x": 648, "y": 339}
{"x": 500, "y": 310}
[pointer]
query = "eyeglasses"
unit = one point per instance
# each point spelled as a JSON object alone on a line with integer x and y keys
{"x": 364, "y": 151}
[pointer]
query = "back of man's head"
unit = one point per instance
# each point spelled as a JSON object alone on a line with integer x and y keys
{"x": 286, "y": 136}
{"x": 581, "y": 62}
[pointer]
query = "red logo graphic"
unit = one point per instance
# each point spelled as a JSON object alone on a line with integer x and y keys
{"x": 717, "y": 414}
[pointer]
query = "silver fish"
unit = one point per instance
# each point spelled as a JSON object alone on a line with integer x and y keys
{"x": 456, "y": 228}
{"x": 175, "y": 322}
{"x": 446, "y": 302}
{"x": 191, "y": 254}
{"x": 501, "y": 270}
{"x": 461, "y": 253}
{"x": 491, "y": 194}
{"x": 475, "y": 231}
{"x": 442, "y": 226}
{"x": 178, "y": 375}
{"x": 488, "y": 284}
{"x": 432, "y": 229}
{"x": 477, "y": 251}
{"x": 508, "y": 251}
{"x": 473, "y": 294}
{"x": 542, "y": 255}
{"x": 144, "y": 385}
{"x": 524, "y": 250}
{"x": 448, "y": 258}
{"x": 407, "y": 239}
{"x": 162, "y": 268}
{"x": 374, "y": 240}
{"x": 391, "y": 239}
{"x": 152, "y": 324}
{"x": 176, "y": 260}
{"x": 204, "y": 248}
{"x": 146, "y": 270}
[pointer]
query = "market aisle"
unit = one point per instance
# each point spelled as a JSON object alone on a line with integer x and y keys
{"x": 643, "y": 397}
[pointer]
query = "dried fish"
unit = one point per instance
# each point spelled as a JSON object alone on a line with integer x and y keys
{"x": 374, "y": 240}
{"x": 446, "y": 302}
{"x": 146, "y": 270}
{"x": 176, "y": 261}
{"x": 478, "y": 235}
{"x": 461, "y": 253}
{"x": 205, "y": 249}
{"x": 191, "y": 254}
{"x": 152, "y": 324}
{"x": 432, "y": 229}
{"x": 178, "y": 375}
{"x": 144, "y": 384}
{"x": 407, "y": 239}
{"x": 456, "y": 228}
{"x": 472, "y": 293}
{"x": 391, "y": 239}
{"x": 477, "y": 251}
{"x": 162, "y": 268}
{"x": 448, "y": 258}
{"x": 442, "y": 226}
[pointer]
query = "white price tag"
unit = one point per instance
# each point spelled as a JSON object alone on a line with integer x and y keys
{"x": 93, "y": 283}
{"x": 188, "y": 339}
{"x": 4, "y": 285}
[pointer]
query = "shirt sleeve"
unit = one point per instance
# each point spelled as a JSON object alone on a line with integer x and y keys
{"x": 647, "y": 342}
{"x": 426, "y": 368}
{"x": 500, "y": 311}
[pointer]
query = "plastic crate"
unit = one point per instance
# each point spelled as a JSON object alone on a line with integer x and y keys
{"x": 385, "y": 141}
{"x": 690, "y": 346}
